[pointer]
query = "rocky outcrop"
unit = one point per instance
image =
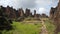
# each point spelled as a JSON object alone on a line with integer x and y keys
{"x": 19, "y": 14}
{"x": 34, "y": 13}
{"x": 27, "y": 12}
{"x": 55, "y": 15}
{"x": 44, "y": 16}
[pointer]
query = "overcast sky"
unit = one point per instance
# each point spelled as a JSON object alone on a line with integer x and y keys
{"x": 42, "y": 6}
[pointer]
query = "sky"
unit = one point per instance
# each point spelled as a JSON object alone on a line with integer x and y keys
{"x": 41, "y": 6}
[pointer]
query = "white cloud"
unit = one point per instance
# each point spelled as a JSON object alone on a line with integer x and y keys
{"x": 14, "y": 3}
{"x": 43, "y": 2}
{"x": 41, "y": 10}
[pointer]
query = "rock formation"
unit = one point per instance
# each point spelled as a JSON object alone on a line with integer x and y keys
{"x": 10, "y": 12}
{"x": 55, "y": 16}
{"x": 19, "y": 14}
{"x": 34, "y": 13}
{"x": 27, "y": 12}
{"x": 44, "y": 15}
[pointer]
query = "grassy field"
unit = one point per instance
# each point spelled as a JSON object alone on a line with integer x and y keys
{"x": 21, "y": 28}
{"x": 29, "y": 28}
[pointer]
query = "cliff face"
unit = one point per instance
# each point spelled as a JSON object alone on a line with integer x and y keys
{"x": 55, "y": 16}
{"x": 55, "y": 13}
{"x": 52, "y": 13}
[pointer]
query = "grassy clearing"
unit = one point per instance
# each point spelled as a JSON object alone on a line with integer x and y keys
{"x": 27, "y": 28}
{"x": 21, "y": 28}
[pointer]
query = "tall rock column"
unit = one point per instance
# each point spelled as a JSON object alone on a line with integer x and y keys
{"x": 35, "y": 13}
{"x": 21, "y": 12}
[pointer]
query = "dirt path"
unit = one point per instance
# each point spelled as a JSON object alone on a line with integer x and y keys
{"x": 43, "y": 28}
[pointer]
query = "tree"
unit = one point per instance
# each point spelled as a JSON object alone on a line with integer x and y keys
{"x": 5, "y": 23}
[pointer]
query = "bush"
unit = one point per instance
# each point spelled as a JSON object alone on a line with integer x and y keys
{"x": 5, "y": 23}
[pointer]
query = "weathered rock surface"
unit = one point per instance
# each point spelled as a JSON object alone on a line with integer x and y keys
{"x": 55, "y": 16}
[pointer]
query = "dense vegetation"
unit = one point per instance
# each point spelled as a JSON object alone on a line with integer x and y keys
{"x": 5, "y": 23}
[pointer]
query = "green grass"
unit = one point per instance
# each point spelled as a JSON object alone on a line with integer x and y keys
{"x": 21, "y": 28}
{"x": 50, "y": 27}
{"x": 26, "y": 28}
